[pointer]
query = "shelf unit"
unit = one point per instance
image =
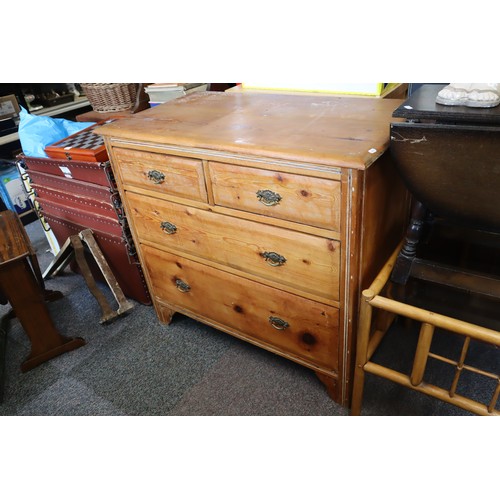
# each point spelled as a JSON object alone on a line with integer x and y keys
{"x": 78, "y": 103}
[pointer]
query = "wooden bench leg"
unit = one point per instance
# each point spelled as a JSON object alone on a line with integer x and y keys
{"x": 107, "y": 312}
{"x": 73, "y": 249}
{"x": 27, "y": 300}
{"x": 60, "y": 261}
{"x": 123, "y": 304}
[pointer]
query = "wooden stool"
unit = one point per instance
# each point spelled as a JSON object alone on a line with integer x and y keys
{"x": 21, "y": 284}
{"x": 372, "y": 329}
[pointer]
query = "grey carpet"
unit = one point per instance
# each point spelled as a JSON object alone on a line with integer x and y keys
{"x": 138, "y": 367}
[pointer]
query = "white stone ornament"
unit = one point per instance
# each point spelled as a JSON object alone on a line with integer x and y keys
{"x": 475, "y": 95}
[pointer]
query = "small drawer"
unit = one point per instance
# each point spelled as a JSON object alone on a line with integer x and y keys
{"x": 303, "y": 262}
{"x": 297, "y": 198}
{"x": 162, "y": 173}
{"x": 291, "y": 324}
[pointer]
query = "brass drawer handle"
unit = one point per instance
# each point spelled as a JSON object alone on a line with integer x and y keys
{"x": 182, "y": 286}
{"x": 278, "y": 323}
{"x": 268, "y": 198}
{"x": 273, "y": 259}
{"x": 168, "y": 227}
{"x": 156, "y": 176}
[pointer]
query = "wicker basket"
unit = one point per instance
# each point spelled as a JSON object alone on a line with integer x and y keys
{"x": 110, "y": 97}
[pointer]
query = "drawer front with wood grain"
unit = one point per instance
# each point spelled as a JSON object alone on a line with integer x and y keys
{"x": 292, "y": 324}
{"x": 162, "y": 173}
{"x": 304, "y": 262}
{"x": 298, "y": 198}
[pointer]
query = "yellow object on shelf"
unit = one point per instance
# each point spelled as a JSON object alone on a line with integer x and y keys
{"x": 368, "y": 89}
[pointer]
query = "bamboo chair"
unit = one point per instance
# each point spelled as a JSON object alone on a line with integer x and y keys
{"x": 371, "y": 331}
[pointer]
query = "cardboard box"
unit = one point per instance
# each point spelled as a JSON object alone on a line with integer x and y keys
{"x": 9, "y": 107}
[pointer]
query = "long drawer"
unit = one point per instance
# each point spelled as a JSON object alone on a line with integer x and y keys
{"x": 162, "y": 173}
{"x": 272, "y": 317}
{"x": 297, "y": 198}
{"x": 304, "y": 262}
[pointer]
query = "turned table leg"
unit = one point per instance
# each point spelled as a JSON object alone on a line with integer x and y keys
{"x": 402, "y": 266}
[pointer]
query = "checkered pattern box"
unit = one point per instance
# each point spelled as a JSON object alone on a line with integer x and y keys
{"x": 82, "y": 146}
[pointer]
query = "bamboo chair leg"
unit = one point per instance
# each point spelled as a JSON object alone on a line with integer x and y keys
{"x": 363, "y": 348}
{"x": 422, "y": 353}
{"x": 494, "y": 399}
{"x": 459, "y": 367}
{"x": 381, "y": 325}
{"x": 365, "y": 320}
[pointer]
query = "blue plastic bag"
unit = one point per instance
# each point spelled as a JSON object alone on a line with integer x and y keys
{"x": 37, "y": 132}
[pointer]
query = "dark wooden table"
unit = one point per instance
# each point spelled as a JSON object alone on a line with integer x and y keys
{"x": 449, "y": 158}
{"x": 421, "y": 105}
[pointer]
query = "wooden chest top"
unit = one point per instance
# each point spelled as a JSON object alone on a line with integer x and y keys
{"x": 327, "y": 130}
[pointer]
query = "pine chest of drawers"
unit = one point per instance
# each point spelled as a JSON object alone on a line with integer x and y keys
{"x": 263, "y": 215}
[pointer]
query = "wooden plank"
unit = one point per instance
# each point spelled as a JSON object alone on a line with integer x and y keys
{"x": 480, "y": 283}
